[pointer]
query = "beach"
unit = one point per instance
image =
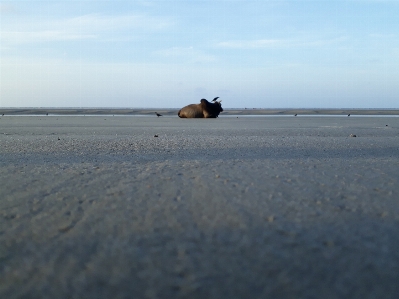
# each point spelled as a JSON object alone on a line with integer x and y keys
{"x": 123, "y": 206}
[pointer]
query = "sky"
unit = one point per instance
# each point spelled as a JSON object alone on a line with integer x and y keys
{"x": 170, "y": 53}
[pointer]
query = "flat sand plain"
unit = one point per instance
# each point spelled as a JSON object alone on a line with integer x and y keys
{"x": 173, "y": 112}
{"x": 248, "y": 207}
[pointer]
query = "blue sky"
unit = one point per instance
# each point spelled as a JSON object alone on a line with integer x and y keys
{"x": 262, "y": 54}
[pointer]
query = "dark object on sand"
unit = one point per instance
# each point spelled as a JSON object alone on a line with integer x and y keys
{"x": 349, "y": 114}
{"x": 158, "y": 114}
{"x": 204, "y": 109}
{"x": 352, "y": 135}
{"x": 155, "y": 135}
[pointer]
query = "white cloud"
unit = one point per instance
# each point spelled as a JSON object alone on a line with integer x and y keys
{"x": 381, "y": 35}
{"x": 90, "y": 26}
{"x": 104, "y": 22}
{"x": 251, "y": 44}
{"x": 19, "y": 37}
{"x": 280, "y": 43}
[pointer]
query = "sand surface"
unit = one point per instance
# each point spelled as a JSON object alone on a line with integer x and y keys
{"x": 261, "y": 207}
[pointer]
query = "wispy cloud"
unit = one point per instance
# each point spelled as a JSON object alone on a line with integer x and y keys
{"x": 90, "y": 26}
{"x": 19, "y": 37}
{"x": 382, "y": 35}
{"x": 251, "y": 44}
{"x": 280, "y": 43}
{"x": 105, "y": 22}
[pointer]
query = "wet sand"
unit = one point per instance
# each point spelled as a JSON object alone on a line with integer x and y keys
{"x": 261, "y": 207}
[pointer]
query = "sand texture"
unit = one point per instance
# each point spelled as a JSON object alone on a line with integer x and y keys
{"x": 256, "y": 207}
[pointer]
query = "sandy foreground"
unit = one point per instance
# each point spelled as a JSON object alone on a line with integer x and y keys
{"x": 248, "y": 207}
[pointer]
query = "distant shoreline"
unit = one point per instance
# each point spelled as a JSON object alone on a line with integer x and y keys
{"x": 163, "y": 111}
